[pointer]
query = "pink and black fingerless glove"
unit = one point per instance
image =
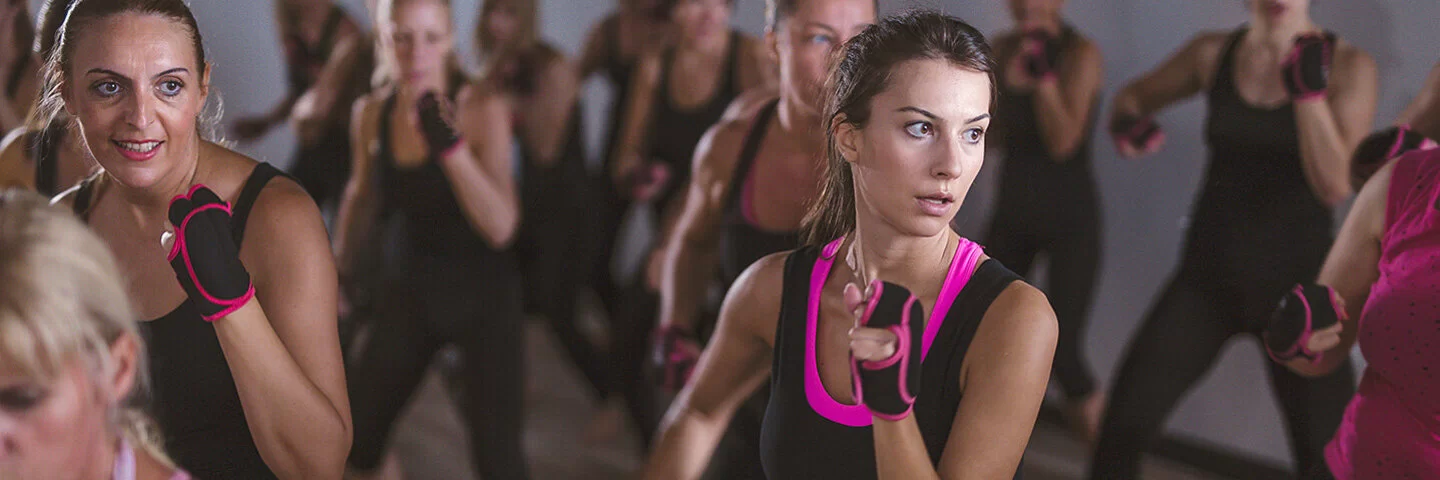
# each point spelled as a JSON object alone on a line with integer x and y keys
{"x": 205, "y": 257}
{"x": 888, "y": 387}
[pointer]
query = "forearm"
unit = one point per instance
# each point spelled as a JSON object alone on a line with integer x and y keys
{"x": 352, "y": 228}
{"x": 299, "y": 432}
{"x": 1058, "y": 127}
{"x": 488, "y": 202}
{"x": 683, "y": 287}
{"x": 684, "y": 444}
{"x": 1324, "y": 152}
{"x": 900, "y": 452}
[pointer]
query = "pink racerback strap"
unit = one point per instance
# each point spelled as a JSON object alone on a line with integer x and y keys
{"x": 962, "y": 266}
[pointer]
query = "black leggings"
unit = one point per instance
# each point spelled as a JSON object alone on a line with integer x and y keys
{"x": 444, "y": 303}
{"x": 1176, "y": 346}
{"x": 557, "y": 260}
{"x": 1074, "y": 261}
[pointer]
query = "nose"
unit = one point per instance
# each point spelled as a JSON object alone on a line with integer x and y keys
{"x": 949, "y": 160}
{"x": 140, "y": 112}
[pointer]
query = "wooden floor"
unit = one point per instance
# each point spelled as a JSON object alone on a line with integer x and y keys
{"x": 431, "y": 444}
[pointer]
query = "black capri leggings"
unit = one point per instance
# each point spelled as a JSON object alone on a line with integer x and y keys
{"x": 443, "y": 301}
{"x": 1177, "y": 344}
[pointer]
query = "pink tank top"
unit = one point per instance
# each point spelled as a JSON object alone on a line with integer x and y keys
{"x": 125, "y": 465}
{"x": 1391, "y": 428}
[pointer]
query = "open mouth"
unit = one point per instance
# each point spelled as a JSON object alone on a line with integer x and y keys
{"x": 138, "y": 147}
{"x": 941, "y": 200}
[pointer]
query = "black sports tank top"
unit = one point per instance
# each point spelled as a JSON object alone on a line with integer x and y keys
{"x": 674, "y": 132}
{"x": 741, "y": 241}
{"x": 192, "y": 394}
{"x": 306, "y": 61}
{"x": 1032, "y": 183}
{"x": 1255, "y": 213}
{"x": 807, "y": 433}
{"x": 433, "y": 222}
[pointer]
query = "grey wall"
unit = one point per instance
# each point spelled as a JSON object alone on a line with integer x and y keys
{"x": 1145, "y": 201}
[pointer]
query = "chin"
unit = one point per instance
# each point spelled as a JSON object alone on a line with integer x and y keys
{"x": 133, "y": 175}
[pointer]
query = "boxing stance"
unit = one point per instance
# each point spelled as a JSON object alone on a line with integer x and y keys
{"x": 1049, "y": 90}
{"x": 755, "y": 173}
{"x": 842, "y": 326}
{"x": 1377, "y": 290}
{"x": 432, "y": 150}
{"x": 244, "y": 352}
{"x": 1287, "y": 104}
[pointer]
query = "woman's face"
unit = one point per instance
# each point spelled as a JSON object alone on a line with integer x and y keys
{"x": 914, "y": 160}
{"x": 1275, "y": 13}
{"x": 807, "y": 39}
{"x": 502, "y": 22}
{"x": 701, "y": 20}
{"x": 136, "y": 88}
{"x": 1029, "y": 12}
{"x": 421, "y": 40}
{"x": 60, "y": 424}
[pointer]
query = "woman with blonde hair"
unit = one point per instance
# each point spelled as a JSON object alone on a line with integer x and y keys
{"x": 70, "y": 354}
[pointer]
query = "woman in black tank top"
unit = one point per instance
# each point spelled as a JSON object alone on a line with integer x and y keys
{"x": 541, "y": 86}
{"x": 252, "y": 390}
{"x": 793, "y": 316}
{"x": 317, "y": 37}
{"x": 1047, "y": 203}
{"x": 612, "y": 49}
{"x": 44, "y": 156}
{"x": 1280, "y": 142}
{"x": 451, "y": 193}
{"x": 752, "y": 184}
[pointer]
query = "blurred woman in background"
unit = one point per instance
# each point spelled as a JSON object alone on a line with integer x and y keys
{"x": 44, "y": 156}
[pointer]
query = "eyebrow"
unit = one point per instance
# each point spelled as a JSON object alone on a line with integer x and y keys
{"x": 926, "y": 114}
{"x": 820, "y": 26}
{"x": 117, "y": 74}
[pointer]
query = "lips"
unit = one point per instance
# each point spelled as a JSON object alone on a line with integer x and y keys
{"x": 137, "y": 150}
{"x": 936, "y": 204}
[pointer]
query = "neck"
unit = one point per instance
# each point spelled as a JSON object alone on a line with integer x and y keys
{"x": 1280, "y": 36}
{"x": 103, "y": 465}
{"x": 800, "y": 123}
{"x": 915, "y": 262}
{"x": 713, "y": 44}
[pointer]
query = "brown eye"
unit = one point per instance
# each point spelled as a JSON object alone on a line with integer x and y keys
{"x": 920, "y": 129}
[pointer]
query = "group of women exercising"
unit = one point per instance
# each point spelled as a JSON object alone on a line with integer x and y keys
{"x": 802, "y": 269}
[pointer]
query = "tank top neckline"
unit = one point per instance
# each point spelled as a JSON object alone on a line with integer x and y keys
{"x": 1225, "y": 82}
{"x": 962, "y": 267}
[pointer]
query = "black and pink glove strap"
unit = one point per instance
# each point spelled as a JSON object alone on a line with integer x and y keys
{"x": 1305, "y": 309}
{"x": 676, "y": 353}
{"x": 442, "y": 138}
{"x": 1306, "y": 71}
{"x": 1382, "y": 146}
{"x": 889, "y": 387}
{"x": 205, "y": 257}
{"x": 1042, "y": 52}
{"x": 1140, "y": 133}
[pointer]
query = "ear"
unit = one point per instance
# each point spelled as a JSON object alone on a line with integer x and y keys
{"x": 65, "y": 97}
{"x": 125, "y": 357}
{"x": 848, "y": 140}
{"x": 772, "y": 43}
{"x": 205, "y": 82}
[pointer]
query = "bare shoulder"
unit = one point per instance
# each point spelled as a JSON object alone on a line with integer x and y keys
{"x": 1352, "y": 60}
{"x": 753, "y": 302}
{"x": 1019, "y": 326}
{"x": 719, "y": 151}
{"x": 1202, "y": 52}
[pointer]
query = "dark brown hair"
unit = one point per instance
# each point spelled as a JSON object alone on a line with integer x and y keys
{"x": 862, "y": 71}
{"x": 82, "y": 14}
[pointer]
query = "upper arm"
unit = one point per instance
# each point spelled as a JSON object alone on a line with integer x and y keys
{"x": 1003, "y": 380}
{"x": 1184, "y": 74}
{"x": 1423, "y": 113}
{"x": 597, "y": 45}
{"x": 714, "y": 164}
{"x": 642, "y": 96}
{"x": 364, "y": 126}
{"x": 1083, "y": 74}
{"x": 288, "y": 255}
{"x": 560, "y": 85}
{"x": 483, "y": 119}
{"x": 1353, "y": 94}
{"x": 737, "y": 360}
{"x": 16, "y": 167}
{"x": 1352, "y": 265}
